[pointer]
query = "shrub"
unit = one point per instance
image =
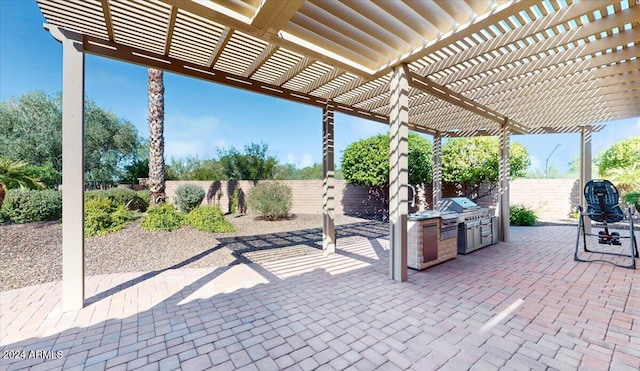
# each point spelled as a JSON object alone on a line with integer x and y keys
{"x": 145, "y": 195}
{"x": 234, "y": 201}
{"x": 28, "y": 205}
{"x": 128, "y": 198}
{"x": 209, "y": 219}
{"x": 271, "y": 199}
{"x": 121, "y": 196}
{"x": 104, "y": 215}
{"x": 188, "y": 197}
{"x": 162, "y": 218}
{"x": 632, "y": 198}
{"x": 520, "y": 215}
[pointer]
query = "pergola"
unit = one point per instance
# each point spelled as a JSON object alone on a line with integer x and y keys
{"x": 449, "y": 68}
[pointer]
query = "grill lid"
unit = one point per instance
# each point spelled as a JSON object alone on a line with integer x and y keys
{"x": 457, "y": 204}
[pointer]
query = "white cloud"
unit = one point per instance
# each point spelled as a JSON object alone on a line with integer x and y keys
{"x": 192, "y": 136}
{"x": 299, "y": 161}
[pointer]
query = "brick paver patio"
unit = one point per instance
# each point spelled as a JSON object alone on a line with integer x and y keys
{"x": 342, "y": 312}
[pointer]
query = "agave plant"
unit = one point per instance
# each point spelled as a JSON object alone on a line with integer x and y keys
{"x": 14, "y": 174}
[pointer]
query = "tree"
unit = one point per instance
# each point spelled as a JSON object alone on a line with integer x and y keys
{"x": 285, "y": 172}
{"x": 14, "y": 174}
{"x": 471, "y": 162}
{"x": 109, "y": 144}
{"x": 254, "y": 164}
{"x": 626, "y": 178}
{"x": 31, "y": 131}
{"x": 310, "y": 172}
{"x": 623, "y": 154}
{"x": 366, "y": 162}
{"x": 156, "y": 135}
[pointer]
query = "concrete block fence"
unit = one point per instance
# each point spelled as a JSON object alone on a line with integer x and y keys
{"x": 549, "y": 198}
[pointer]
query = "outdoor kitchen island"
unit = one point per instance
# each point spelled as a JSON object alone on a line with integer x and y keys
{"x": 432, "y": 238}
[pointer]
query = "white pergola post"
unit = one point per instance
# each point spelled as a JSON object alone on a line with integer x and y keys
{"x": 328, "y": 198}
{"x": 399, "y": 173}
{"x": 503, "y": 179}
{"x": 585, "y": 168}
{"x": 437, "y": 169}
{"x": 72, "y": 168}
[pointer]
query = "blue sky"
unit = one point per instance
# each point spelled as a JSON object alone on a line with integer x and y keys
{"x": 201, "y": 116}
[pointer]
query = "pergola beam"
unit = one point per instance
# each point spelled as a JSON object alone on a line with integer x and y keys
{"x": 224, "y": 38}
{"x": 103, "y": 48}
{"x": 170, "y": 26}
{"x": 106, "y": 11}
{"x": 446, "y": 94}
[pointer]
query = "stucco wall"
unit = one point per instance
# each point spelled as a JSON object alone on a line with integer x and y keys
{"x": 307, "y": 196}
{"x": 549, "y": 198}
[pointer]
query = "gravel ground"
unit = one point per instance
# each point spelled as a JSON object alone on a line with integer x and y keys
{"x": 32, "y": 253}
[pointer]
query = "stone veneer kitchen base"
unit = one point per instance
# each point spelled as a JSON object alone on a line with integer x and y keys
{"x": 447, "y": 249}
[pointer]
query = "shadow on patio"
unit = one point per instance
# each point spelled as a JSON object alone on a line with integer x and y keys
{"x": 346, "y": 311}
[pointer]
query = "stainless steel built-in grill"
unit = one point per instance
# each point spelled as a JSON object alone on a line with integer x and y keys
{"x": 475, "y": 226}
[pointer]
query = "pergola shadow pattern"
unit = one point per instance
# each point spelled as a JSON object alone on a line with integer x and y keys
{"x": 342, "y": 312}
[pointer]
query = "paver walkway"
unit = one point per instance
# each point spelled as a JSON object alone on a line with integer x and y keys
{"x": 343, "y": 312}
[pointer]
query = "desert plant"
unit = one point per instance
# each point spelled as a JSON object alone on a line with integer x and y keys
{"x": 128, "y": 198}
{"x": 188, "y": 197}
{"x": 632, "y": 198}
{"x": 145, "y": 195}
{"x": 104, "y": 215}
{"x": 29, "y": 205}
{"x": 14, "y": 174}
{"x": 271, "y": 199}
{"x": 209, "y": 219}
{"x": 521, "y": 216}
{"x": 121, "y": 196}
{"x": 234, "y": 201}
{"x": 162, "y": 218}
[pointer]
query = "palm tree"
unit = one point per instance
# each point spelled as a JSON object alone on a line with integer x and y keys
{"x": 156, "y": 135}
{"x": 625, "y": 178}
{"x": 15, "y": 174}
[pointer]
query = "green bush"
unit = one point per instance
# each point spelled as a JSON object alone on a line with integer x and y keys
{"x": 128, "y": 198}
{"x": 188, "y": 197}
{"x": 271, "y": 199}
{"x": 632, "y": 197}
{"x": 234, "y": 201}
{"x": 162, "y": 218}
{"x": 209, "y": 219}
{"x": 121, "y": 196}
{"x": 104, "y": 215}
{"x": 28, "y": 205}
{"x": 520, "y": 215}
{"x": 145, "y": 195}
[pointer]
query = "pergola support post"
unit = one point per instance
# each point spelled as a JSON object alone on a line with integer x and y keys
{"x": 73, "y": 283}
{"x": 399, "y": 172}
{"x": 437, "y": 169}
{"x": 585, "y": 168}
{"x": 328, "y": 188}
{"x": 503, "y": 179}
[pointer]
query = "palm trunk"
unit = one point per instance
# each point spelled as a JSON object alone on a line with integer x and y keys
{"x": 156, "y": 135}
